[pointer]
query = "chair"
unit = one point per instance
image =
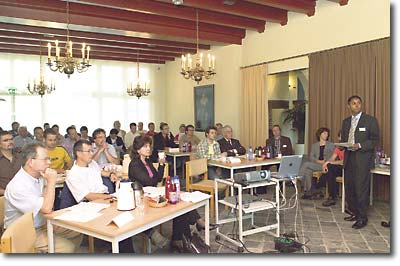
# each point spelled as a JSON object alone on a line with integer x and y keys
{"x": 317, "y": 175}
{"x": 199, "y": 167}
{"x": 1, "y": 214}
{"x": 340, "y": 179}
{"x": 20, "y": 236}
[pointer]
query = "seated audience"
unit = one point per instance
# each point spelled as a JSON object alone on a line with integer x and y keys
{"x": 104, "y": 154}
{"x": 219, "y": 131}
{"x": 140, "y": 129}
{"x": 230, "y": 145}
{"x": 72, "y": 137}
{"x": 46, "y": 126}
{"x": 59, "y": 138}
{"x": 333, "y": 168}
{"x": 209, "y": 148}
{"x": 121, "y": 132}
{"x": 10, "y": 161}
{"x": 27, "y": 192}
{"x": 14, "y": 129}
{"x": 22, "y": 138}
{"x": 162, "y": 141}
{"x": 189, "y": 137}
{"x": 38, "y": 134}
{"x": 141, "y": 169}
{"x": 151, "y": 131}
{"x": 59, "y": 157}
{"x": 320, "y": 152}
{"x": 85, "y": 134}
{"x": 130, "y": 136}
{"x": 117, "y": 142}
{"x": 279, "y": 144}
{"x": 182, "y": 128}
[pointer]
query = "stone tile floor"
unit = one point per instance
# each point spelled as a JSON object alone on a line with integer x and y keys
{"x": 321, "y": 228}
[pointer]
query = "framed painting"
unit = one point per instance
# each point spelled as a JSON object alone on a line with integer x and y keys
{"x": 203, "y": 107}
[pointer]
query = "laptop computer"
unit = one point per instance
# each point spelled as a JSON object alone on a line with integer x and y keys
{"x": 289, "y": 167}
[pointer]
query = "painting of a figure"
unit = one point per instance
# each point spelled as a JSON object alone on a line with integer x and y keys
{"x": 203, "y": 107}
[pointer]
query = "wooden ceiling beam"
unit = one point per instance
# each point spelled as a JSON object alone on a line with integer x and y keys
{"x": 183, "y": 12}
{"x": 300, "y": 6}
{"x": 242, "y": 8}
{"x": 101, "y": 17}
{"x": 340, "y": 2}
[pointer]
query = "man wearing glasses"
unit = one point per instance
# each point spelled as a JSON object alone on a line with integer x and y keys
{"x": 33, "y": 190}
{"x": 10, "y": 161}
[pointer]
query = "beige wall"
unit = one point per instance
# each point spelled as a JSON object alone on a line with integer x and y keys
{"x": 331, "y": 26}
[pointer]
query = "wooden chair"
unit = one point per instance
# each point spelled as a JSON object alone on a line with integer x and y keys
{"x": 1, "y": 214}
{"x": 20, "y": 236}
{"x": 199, "y": 167}
{"x": 317, "y": 175}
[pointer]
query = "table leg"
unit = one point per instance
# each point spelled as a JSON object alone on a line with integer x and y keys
{"x": 371, "y": 194}
{"x": 50, "y": 236}
{"x": 207, "y": 223}
{"x": 277, "y": 206}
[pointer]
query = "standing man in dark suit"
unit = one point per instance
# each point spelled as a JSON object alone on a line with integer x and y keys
{"x": 230, "y": 145}
{"x": 280, "y": 144}
{"x": 362, "y": 131}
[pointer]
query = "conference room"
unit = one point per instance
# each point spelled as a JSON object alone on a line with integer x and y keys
{"x": 266, "y": 125}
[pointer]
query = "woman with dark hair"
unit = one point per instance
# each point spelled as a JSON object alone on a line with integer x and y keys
{"x": 141, "y": 169}
{"x": 321, "y": 151}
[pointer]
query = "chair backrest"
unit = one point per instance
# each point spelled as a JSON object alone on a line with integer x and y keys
{"x": 155, "y": 165}
{"x": 196, "y": 167}
{"x": 20, "y": 236}
{"x": 1, "y": 214}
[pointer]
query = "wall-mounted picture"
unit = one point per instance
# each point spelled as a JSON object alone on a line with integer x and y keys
{"x": 203, "y": 107}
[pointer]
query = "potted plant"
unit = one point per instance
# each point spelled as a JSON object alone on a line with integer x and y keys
{"x": 297, "y": 116}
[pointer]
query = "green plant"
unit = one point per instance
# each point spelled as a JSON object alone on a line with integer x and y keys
{"x": 297, "y": 116}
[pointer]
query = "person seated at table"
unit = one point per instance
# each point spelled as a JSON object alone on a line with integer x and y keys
{"x": 130, "y": 136}
{"x": 121, "y": 132}
{"x": 14, "y": 129}
{"x": 84, "y": 183}
{"x": 22, "y": 138}
{"x": 59, "y": 157}
{"x": 219, "y": 127}
{"x": 230, "y": 145}
{"x": 27, "y": 192}
{"x": 279, "y": 144}
{"x": 104, "y": 154}
{"x": 141, "y": 169}
{"x": 38, "y": 134}
{"x": 181, "y": 132}
{"x": 141, "y": 131}
{"x": 72, "y": 137}
{"x": 151, "y": 132}
{"x": 117, "y": 142}
{"x": 320, "y": 152}
{"x": 10, "y": 161}
{"x": 60, "y": 138}
{"x": 162, "y": 141}
{"x": 209, "y": 148}
{"x": 189, "y": 137}
{"x": 85, "y": 133}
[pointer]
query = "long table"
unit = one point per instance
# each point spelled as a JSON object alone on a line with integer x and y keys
{"x": 175, "y": 155}
{"x": 378, "y": 171}
{"x": 101, "y": 227}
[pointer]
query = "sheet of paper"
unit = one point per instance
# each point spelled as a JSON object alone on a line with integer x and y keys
{"x": 78, "y": 216}
{"x": 88, "y": 207}
{"x": 122, "y": 219}
{"x": 194, "y": 197}
{"x": 344, "y": 144}
{"x": 153, "y": 192}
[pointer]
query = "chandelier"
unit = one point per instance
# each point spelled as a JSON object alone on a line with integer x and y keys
{"x": 68, "y": 64}
{"x": 138, "y": 90}
{"x": 198, "y": 71}
{"x": 41, "y": 88}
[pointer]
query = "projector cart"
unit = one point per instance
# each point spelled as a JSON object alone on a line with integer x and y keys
{"x": 246, "y": 212}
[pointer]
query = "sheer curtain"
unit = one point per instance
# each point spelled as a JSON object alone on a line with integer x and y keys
{"x": 254, "y": 106}
{"x": 95, "y": 98}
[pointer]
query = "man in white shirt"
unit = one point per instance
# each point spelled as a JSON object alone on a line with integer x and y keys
{"x": 27, "y": 192}
{"x": 84, "y": 179}
{"x": 130, "y": 136}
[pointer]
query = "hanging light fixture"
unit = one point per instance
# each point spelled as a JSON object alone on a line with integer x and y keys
{"x": 138, "y": 90}
{"x": 68, "y": 64}
{"x": 197, "y": 72}
{"x": 40, "y": 88}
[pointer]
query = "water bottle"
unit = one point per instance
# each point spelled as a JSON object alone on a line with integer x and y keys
{"x": 250, "y": 154}
{"x": 268, "y": 155}
{"x": 167, "y": 187}
{"x": 189, "y": 147}
{"x": 259, "y": 151}
{"x": 175, "y": 181}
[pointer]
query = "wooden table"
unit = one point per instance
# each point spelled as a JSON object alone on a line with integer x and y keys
{"x": 101, "y": 228}
{"x": 379, "y": 171}
{"x": 177, "y": 154}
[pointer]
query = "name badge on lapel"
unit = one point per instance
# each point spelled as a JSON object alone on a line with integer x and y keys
{"x": 361, "y": 129}
{"x": 284, "y": 146}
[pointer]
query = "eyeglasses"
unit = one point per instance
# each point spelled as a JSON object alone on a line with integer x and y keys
{"x": 44, "y": 159}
